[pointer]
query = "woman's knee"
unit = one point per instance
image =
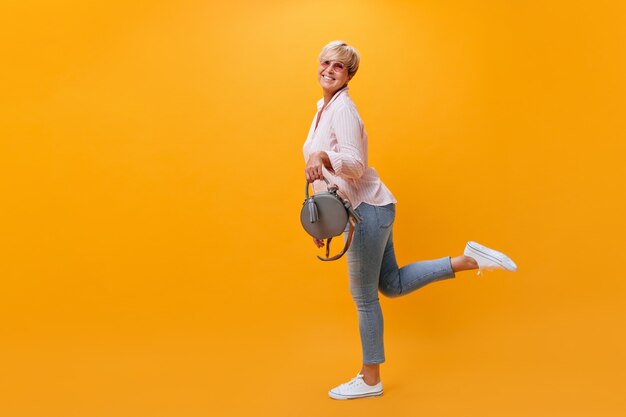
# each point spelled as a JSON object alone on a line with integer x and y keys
{"x": 364, "y": 296}
{"x": 390, "y": 292}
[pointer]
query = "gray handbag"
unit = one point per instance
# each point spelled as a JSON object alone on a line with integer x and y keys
{"x": 325, "y": 215}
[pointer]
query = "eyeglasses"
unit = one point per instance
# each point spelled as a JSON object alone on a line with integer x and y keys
{"x": 336, "y": 65}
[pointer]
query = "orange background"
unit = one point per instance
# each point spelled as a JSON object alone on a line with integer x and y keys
{"x": 152, "y": 259}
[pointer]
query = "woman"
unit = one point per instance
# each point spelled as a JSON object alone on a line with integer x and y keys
{"x": 336, "y": 148}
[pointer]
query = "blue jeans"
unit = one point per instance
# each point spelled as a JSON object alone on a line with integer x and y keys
{"x": 372, "y": 267}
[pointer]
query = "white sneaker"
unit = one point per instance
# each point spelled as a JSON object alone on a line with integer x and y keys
{"x": 356, "y": 388}
{"x": 488, "y": 258}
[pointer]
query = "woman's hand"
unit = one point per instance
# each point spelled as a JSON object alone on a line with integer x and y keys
{"x": 318, "y": 243}
{"x": 313, "y": 170}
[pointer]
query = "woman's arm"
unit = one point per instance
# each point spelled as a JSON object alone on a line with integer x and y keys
{"x": 351, "y": 159}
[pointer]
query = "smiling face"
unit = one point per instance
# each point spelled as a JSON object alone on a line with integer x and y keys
{"x": 332, "y": 75}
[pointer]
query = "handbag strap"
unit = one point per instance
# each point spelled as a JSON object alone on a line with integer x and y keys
{"x": 306, "y": 187}
{"x": 345, "y": 248}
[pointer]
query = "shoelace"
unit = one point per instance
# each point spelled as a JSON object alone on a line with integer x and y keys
{"x": 354, "y": 380}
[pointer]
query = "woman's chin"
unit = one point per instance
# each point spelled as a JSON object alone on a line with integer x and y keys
{"x": 331, "y": 88}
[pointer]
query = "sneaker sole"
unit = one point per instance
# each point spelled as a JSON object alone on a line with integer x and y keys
{"x": 492, "y": 255}
{"x": 353, "y": 397}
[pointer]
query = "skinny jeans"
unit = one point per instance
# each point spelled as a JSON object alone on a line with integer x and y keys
{"x": 372, "y": 267}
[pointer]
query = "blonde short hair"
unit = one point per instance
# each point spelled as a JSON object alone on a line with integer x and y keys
{"x": 341, "y": 51}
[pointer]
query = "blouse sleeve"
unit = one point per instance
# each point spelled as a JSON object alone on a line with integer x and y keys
{"x": 350, "y": 160}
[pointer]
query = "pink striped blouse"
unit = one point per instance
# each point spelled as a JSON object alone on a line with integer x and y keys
{"x": 341, "y": 134}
